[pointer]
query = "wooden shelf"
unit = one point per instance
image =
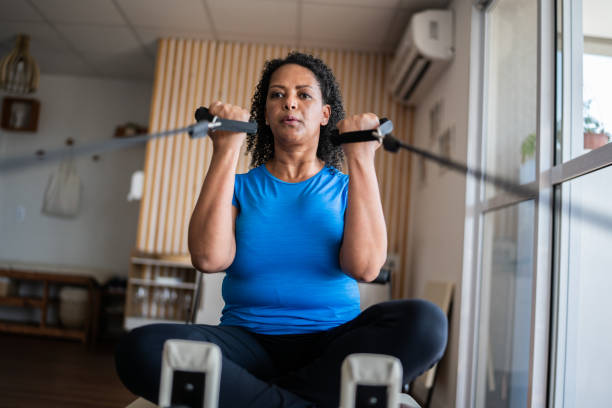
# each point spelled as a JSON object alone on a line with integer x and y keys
{"x": 89, "y": 331}
{"x": 160, "y": 262}
{"x": 46, "y": 276}
{"x": 175, "y": 272}
{"x": 51, "y": 331}
{"x": 114, "y": 310}
{"x": 19, "y": 301}
{"x": 131, "y": 322}
{"x": 149, "y": 282}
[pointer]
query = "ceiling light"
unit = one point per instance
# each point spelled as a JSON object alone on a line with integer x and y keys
{"x": 18, "y": 71}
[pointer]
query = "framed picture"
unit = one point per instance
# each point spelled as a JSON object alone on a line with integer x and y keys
{"x": 20, "y": 114}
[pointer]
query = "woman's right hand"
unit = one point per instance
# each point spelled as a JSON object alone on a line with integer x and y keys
{"x": 223, "y": 140}
{"x": 211, "y": 238}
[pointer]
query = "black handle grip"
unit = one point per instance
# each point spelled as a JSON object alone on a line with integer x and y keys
{"x": 202, "y": 113}
{"x": 354, "y": 137}
{"x": 336, "y": 138}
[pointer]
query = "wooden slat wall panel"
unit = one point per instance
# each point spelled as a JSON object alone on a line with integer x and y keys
{"x": 191, "y": 73}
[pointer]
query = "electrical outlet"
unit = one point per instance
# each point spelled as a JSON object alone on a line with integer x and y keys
{"x": 20, "y": 213}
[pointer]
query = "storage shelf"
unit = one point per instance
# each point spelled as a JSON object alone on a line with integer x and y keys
{"x": 52, "y": 331}
{"x": 155, "y": 272}
{"x": 44, "y": 303}
{"x": 114, "y": 310}
{"x": 148, "y": 282}
{"x": 161, "y": 262}
{"x": 21, "y": 301}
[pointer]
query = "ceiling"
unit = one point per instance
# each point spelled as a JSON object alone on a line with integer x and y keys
{"x": 117, "y": 38}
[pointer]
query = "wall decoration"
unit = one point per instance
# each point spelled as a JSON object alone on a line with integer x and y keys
{"x": 422, "y": 169}
{"x": 444, "y": 147}
{"x": 435, "y": 121}
{"x": 130, "y": 129}
{"x": 20, "y": 114}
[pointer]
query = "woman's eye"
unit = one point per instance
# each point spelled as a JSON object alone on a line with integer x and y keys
{"x": 305, "y": 96}
{"x": 275, "y": 95}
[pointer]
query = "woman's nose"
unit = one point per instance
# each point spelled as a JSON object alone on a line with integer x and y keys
{"x": 290, "y": 102}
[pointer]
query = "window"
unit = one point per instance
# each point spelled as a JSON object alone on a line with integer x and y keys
{"x": 539, "y": 280}
{"x": 505, "y": 223}
{"x": 587, "y": 62}
{"x": 582, "y": 329}
{"x": 507, "y": 276}
{"x": 510, "y": 95}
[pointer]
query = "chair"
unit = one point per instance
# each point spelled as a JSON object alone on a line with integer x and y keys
{"x": 440, "y": 294}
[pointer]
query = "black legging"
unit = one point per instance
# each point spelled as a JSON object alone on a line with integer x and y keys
{"x": 295, "y": 370}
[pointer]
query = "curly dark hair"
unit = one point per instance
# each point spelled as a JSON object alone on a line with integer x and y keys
{"x": 261, "y": 144}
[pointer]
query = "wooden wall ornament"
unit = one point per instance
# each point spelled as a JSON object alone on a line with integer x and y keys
{"x": 20, "y": 114}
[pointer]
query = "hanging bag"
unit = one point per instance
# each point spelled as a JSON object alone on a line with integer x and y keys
{"x": 63, "y": 193}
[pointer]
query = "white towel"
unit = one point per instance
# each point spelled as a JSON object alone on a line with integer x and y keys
{"x": 63, "y": 193}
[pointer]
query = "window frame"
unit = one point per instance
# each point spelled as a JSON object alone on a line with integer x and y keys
{"x": 551, "y": 240}
{"x": 477, "y": 206}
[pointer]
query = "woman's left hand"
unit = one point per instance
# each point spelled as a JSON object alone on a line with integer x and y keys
{"x": 364, "y": 243}
{"x": 364, "y": 121}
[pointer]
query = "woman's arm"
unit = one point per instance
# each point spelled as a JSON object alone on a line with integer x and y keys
{"x": 211, "y": 236}
{"x": 364, "y": 245}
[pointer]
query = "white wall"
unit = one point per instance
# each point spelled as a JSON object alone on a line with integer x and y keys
{"x": 102, "y": 235}
{"x": 437, "y": 207}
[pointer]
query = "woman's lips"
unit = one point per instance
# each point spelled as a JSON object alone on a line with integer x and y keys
{"x": 291, "y": 120}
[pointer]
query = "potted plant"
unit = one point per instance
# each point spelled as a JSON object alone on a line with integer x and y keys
{"x": 594, "y": 133}
{"x": 528, "y": 147}
{"x": 528, "y": 150}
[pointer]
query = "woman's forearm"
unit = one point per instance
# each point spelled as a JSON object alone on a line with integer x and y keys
{"x": 364, "y": 245}
{"x": 211, "y": 239}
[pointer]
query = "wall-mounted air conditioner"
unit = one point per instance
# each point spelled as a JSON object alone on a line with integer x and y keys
{"x": 425, "y": 50}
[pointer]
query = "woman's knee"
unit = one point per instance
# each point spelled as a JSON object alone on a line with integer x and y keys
{"x": 422, "y": 324}
{"x": 430, "y": 326}
{"x": 137, "y": 340}
{"x": 138, "y": 355}
{"x": 137, "y": 348}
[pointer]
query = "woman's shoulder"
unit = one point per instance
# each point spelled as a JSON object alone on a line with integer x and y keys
{"x": 335, "y": 174}
{"x": 253, "y": 176}
{"x": 252, "y": 173}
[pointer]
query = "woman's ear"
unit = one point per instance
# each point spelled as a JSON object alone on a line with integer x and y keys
{"x": 326, "y": 115}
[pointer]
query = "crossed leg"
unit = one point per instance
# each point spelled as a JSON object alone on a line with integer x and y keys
{"x": 245, "y": 367}
{"x": 253, "y": 371}
{"x": 414, "y": 331}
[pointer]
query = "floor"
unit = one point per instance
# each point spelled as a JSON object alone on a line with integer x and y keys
{"x": 43, "y": 372}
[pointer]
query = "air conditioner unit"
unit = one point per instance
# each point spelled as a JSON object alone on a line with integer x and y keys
{"x": 423, "y": 53}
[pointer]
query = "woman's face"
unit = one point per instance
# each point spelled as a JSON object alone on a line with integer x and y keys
{"x": 294, "y": 106}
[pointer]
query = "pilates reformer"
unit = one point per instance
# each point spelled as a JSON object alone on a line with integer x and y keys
{"x": 205, "y": 123}
{"x": 191, "y": 374}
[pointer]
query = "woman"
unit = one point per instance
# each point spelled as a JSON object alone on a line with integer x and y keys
{"x": 294, "y": 235}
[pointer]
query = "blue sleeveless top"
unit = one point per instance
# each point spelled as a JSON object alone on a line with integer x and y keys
{"x": 286, "y": 276}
